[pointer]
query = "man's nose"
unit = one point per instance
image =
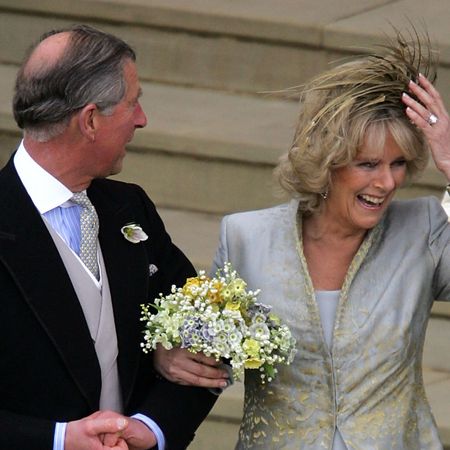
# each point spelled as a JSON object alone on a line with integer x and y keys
{"x": 141, "y": 118}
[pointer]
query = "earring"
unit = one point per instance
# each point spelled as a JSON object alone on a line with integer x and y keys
{"x": 324, "y": 194}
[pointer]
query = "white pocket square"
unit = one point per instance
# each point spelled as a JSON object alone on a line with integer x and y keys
{"x": 152, "y": 269}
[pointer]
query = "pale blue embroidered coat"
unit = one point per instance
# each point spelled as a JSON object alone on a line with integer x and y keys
{"x": 370, "y": 384}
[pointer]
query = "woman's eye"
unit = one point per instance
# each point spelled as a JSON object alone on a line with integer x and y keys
{"x": 399, "y": 163}
{"x": 368, "y": 164}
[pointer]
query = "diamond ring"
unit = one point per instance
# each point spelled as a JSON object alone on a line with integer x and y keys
{"x": 432, "y": 119}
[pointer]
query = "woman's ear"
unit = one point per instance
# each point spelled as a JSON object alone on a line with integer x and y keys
{"x": 87, "y": 121}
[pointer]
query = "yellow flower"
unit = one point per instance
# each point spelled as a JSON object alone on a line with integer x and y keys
{"x": 214, "y": 294}
{"x": 253, "y": 363}
{"x": 191, "y": 285}
{"x": 215, "y": 307}
{"x": 275, "y": 319}
{"x": 238, "y": 286}
{"x": 251, "y": 347}
{"x": 227, "y": 293}
{"x": 233, "y": 306}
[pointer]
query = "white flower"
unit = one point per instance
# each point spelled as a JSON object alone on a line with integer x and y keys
{"x": 133, "y": 233}
{"x": 259, "y": 331}
{"x": 219, "y": 317}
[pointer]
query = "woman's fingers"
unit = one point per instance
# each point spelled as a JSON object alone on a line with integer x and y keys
{"x": 431, "y": 116}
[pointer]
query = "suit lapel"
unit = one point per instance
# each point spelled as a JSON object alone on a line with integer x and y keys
{"x": 127, "y": 268}
{"x": 29, "y": 254}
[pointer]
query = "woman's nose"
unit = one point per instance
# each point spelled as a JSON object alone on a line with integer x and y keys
{"x": 385, "y": 179}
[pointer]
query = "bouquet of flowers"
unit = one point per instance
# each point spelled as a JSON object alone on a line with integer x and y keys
{"x": 219, "y": 317}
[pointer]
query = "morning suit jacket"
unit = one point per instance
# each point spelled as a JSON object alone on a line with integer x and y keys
{"x": 49, "y": 369}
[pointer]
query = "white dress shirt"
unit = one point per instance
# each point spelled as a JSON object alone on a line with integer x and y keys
{"x": 52, "y": 200}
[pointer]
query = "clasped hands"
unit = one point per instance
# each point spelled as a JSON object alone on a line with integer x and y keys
{"x": 107, "y": 430}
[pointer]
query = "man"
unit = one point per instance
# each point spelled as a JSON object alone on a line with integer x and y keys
{"x": 70, "y": 301}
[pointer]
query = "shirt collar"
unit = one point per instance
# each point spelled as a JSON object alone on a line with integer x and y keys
{"x": 45, "y": 190}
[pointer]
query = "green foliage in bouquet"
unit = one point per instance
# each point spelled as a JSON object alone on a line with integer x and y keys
{"x": 219, "y": 317}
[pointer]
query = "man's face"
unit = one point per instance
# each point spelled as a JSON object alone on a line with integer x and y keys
{"x": 116, "y": 130}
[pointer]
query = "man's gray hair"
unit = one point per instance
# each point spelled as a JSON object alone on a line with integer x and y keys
{"x": 89, "y": 71}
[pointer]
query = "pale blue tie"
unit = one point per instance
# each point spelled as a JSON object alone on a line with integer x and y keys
{"x": 89, "y": 232}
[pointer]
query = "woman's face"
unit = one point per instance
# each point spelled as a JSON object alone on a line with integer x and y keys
{"x": 361, "y": 191}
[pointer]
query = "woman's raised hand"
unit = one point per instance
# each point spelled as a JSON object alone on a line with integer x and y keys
{"x": 432, "y": 118}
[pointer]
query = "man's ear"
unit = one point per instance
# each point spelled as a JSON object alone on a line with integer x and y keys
{"x": 87, "y": 121}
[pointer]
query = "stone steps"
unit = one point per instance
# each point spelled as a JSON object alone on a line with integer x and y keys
{"x": 214, "y": 136}
{"x": 246, "y": 45}
{"x": 196, "y": 137}
{"x": 202, "y": 150}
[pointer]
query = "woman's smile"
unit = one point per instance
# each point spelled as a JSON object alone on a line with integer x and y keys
{"x": 361, "y": 191}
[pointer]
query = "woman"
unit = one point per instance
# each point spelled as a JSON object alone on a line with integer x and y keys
{"x": 353, "y": 273}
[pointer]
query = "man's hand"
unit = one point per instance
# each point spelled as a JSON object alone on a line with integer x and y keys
{"x": 183, "y": 367}
{"x": 90, "y": 432}
{"x": 137, "y": 436}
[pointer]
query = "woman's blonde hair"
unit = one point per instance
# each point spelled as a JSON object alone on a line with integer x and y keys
{"x": 356, "y": 102}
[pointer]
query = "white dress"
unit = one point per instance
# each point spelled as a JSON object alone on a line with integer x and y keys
{"x": 327, "y": 302}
